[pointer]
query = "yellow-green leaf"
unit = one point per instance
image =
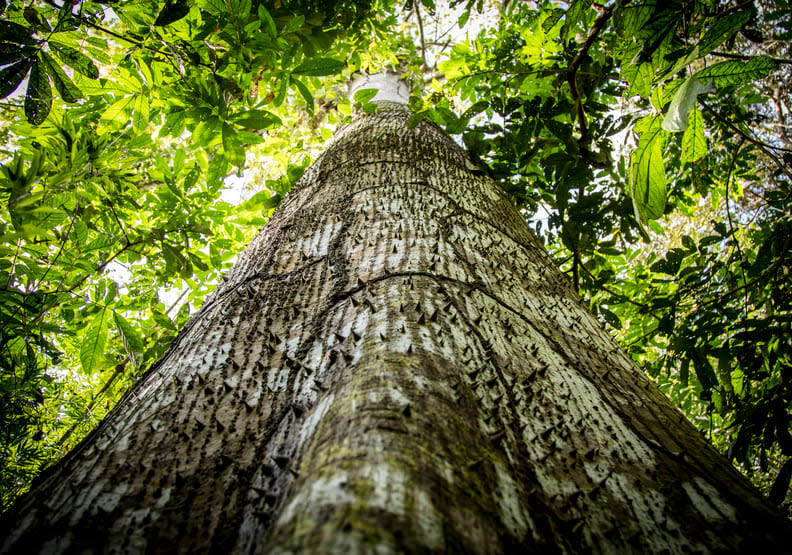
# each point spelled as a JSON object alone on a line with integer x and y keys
{"x": 694, "y": 142}
{"x": 93, "y": 344}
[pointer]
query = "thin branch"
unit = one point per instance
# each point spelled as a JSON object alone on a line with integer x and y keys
{"x": 758, "y": 278}
{"x": 417, "y": 9}
{"x": 574, "y": 65}
{"x": 621, "y": 296}
{"x": 729, "y": 216}
{"x": 762, "y": 146}
{"x": 118, "y": 370}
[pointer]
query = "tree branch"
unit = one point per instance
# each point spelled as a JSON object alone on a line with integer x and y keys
{"x": 572, "y": 70}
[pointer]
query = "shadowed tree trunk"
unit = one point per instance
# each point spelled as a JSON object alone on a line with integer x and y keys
{"x": 395, "y": 364}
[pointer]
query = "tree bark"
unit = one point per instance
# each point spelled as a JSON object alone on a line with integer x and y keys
{"x": 394, "y": 364}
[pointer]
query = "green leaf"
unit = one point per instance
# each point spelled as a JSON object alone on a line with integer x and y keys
{"x": 738, "y": 72}
{"x": 14, "y": 32}
{"x": 256, "y": 119}
{"x": 647, "y": 185}
{"x": 117, "y": 111}
{"x": 684, "y": 372}
{"x": 694, "y": 143}
{"x": 140, "y": 113}
{"x": 75, "y": 60}
{"x": 552, "y": 18}
{"x": 362, "y": 96}
{"x": 676, "y": 118}
{"x": 130, "y": 338}
{"x": 293, "y": 25}
{"x": 721, "y": 31}
{"x": 306, "y": 94}
{"x": 573, "y": 16}
{"x": 38, "y": 99}
{"x": 93, "y": 343}
{"x": 319, "y": 66}
{"x": 231, "y": 146}
{"x": 704, "y": 371}
{"x": 172, "y": 11}
{"x": 66, "y": 88}
{"x": 11, "y": 76}
{"x": 269, "y": 25}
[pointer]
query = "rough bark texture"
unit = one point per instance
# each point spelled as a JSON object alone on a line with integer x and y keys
{"x": 395, "y": 364}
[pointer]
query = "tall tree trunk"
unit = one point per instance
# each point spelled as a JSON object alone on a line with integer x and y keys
{"x": 395, "y": 364}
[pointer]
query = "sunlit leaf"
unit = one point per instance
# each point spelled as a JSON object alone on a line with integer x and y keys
{"x": 64, "y": 85}
{"x": 306, "y": 94}
{"x": 647, "y": 170}
{"x": 737, "y": 72}
{"x": 676, "y": 118}
{"x": 75, "y": 60}
{"x": 130, "y": 338}
{"x": 93, "y": 343}
{"x": 722, "y": 30}
{"x": 319, "y": 66}
{"x": 694, "y": 142}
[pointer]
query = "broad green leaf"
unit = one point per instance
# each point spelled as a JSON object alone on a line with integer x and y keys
{"x": 14, "y": 32}
{"x": 572, "y": 17}
{"x": 647, "y": 185}
{"x": 75, "y": 60}
{"x": 140, "y": 114}
{"x": 130, "y": 338}
{"x": 694, "y": 143}
{"x": 214, "y": 7}
{"x": 306, "y": 94}
{"x": 552, "y": 18}
{"x": 269, "y": 25}
{"x": 11, "y": 76}
{"x": 80, "y": 233}
{"x": 319, "y": 66}
{"x": 721, "y": 31}
{"x": 38, "y": 99}
{"x": 364, "y": 95}
{"x": 67, "y": 89}
{"x": 172, "y": 11}
{"x": 256, "y": 119}
{"x": 293, "y": 25}
{"x": 231, "y": 146}
{"x": 704, "y": 371}
{"x": 93, "y": 342}
{"x": 676, "y": 118}
{"x": 737, "y": 72}
{"x": 117, "y": 111}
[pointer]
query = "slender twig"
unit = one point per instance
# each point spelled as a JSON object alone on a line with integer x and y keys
{"x": 119, "y": 36}
{"x": 417, "y": 9}
{"x": 729, "y": 216}
{"x": 773, "y": 270}
{"x": 176, "y": 302}
{"x": 574, "y": 65}
{"x": 118, "y": 370}
{"x": 622, "y": 297}
{"x": 763, "y": 146}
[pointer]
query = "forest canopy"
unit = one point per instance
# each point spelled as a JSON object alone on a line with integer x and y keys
{"x": 648, "y": 143}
